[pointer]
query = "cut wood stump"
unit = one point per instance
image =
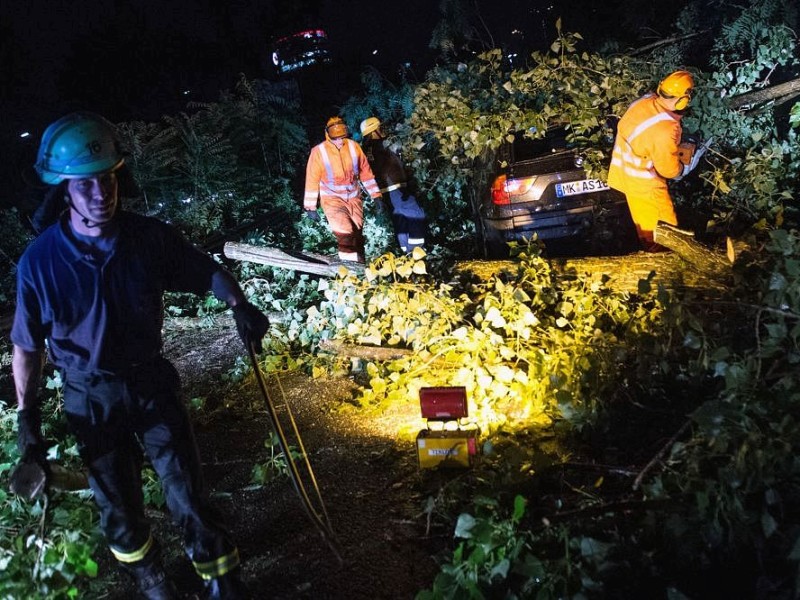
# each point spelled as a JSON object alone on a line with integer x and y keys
{"x": 682, "y": 242}
{"x": 307, "y": 262}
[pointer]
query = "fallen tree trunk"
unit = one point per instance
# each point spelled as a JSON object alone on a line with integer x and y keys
{"x": 698, "y": 255}
{"x": 781, "y": 93}
{"x": 306, "y": 262}
{"x": 377, "y": 353}
{"x": 623, "y": 273}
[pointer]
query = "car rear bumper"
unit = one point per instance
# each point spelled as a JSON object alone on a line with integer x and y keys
{"x": 544, "y": 225}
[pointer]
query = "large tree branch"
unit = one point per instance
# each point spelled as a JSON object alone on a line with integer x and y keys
{"x": 781, "y": 93}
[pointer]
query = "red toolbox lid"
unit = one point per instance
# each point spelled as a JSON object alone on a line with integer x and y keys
{"x": 443, "y": 403}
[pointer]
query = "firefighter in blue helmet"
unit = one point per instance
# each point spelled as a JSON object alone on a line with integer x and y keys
{"x": 89, "y": 289}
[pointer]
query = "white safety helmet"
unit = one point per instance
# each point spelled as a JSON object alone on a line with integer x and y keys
{"x": 369, "y": 125}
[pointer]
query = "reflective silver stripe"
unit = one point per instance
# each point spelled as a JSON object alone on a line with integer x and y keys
{"x": 416, "y": 240}
{"x": 393, "y": 187}
{"x": 372, "y": 187}
{"x": 351, "y": 256}
{"x": 639, "y": 173}
{"x": 342, "y": 192}
{"x": 326, "y": 161}
{"x": 351, "y": 145}
{"x": 645, "y": 125}
{"x": 136, "y": 555}
{"x": 624, "y": 156}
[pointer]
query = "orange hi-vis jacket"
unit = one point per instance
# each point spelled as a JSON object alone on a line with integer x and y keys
{"x": 335, "y": 173}
{"x": 645, "y": 156}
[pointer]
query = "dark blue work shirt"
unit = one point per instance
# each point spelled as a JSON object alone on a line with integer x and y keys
{"x": 104, "y": 312}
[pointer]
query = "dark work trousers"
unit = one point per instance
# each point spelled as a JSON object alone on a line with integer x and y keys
{"x": 115, "y": 418}
{"x": 408, "y": 219}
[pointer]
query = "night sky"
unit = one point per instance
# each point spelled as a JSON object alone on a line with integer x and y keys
{"x": 56, "y": 52}
{"x": 141, "y": 59}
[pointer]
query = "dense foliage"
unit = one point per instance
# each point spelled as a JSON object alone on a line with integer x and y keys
{"x": 223, "y": 164}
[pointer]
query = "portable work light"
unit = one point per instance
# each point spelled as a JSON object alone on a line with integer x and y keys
{"x": 450, "y": 443}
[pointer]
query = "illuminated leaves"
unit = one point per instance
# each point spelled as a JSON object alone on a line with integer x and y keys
{"x": 525, "y": 350}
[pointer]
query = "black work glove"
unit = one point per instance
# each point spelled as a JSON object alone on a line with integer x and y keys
{"x": 30, "y": 442}
{"x": 313, "y": 215}
{"x": 380, "y": 206}
{"x": 251, "y": 323}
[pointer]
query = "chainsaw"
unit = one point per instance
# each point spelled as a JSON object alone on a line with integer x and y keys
{"x": 690, "y": 149}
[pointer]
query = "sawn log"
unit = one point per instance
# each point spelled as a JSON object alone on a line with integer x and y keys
{"x": 377, "y": 353}
{"x": 702, "y": 257}
{"x": 307, "y": 262}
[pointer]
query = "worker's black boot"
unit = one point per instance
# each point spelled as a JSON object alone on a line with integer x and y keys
{"x": 227, "y": 587}
{"x": 151, "y": 579}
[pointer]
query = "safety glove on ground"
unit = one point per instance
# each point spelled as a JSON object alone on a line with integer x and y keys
{"x": 313, "y": 215}
{"x": 251, "y": 323}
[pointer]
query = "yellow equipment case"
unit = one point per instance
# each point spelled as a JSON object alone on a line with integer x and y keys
{"x": 449, "y": 445}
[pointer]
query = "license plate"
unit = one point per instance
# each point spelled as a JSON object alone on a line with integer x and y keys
{"x": 584, "y": 186}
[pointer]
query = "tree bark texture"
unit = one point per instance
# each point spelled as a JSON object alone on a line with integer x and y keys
{"x": 377, "y": 353}
{"x": 307, "y": 262}
{"x": 690, "y": 265}
{"x": 780, "y": 92}
{"x": 684, "y": 245}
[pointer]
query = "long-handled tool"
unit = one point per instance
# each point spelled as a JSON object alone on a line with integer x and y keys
{"x": 318, "y": 517}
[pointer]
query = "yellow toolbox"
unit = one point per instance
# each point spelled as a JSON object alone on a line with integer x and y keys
{"x": 446, "y": 448}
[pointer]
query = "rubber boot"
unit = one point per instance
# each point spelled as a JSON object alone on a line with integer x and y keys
{"x": 151, "y": 579}
{"x": 227, "y": 587}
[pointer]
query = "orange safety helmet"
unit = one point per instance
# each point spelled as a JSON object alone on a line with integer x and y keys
{"x": 677, "y": 85}
{"x": 336, "y": 128}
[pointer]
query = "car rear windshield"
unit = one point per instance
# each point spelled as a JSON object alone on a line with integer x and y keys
{"x": 525, "y": 148}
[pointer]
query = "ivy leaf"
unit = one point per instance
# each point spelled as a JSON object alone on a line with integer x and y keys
{"x": 692, "y": 340}
{"x": 464, "y": 526}
{"x": 520, "y": 502}
{"x": 500, "y": 569}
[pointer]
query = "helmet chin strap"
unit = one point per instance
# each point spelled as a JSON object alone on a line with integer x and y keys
{"x": 87, "y": 222}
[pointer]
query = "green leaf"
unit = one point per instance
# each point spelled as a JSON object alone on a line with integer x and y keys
{"x": 520, "y": 502}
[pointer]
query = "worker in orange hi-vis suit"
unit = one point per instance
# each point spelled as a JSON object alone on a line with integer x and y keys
{"x": 336, "y": 169}
{"x": 646, "y": 153}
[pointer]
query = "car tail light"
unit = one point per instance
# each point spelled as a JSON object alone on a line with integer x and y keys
{"x": 503, "y": 188}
